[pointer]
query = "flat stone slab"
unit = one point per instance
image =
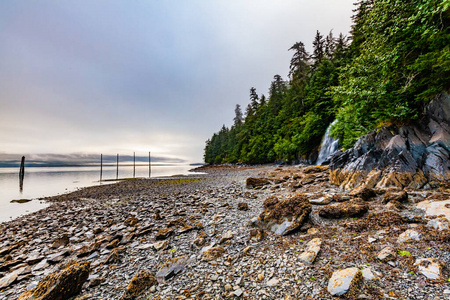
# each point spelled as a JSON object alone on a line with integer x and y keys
{"x": 344, "y": 281}
{"x": 409, "y": 236}
{"x": 312, "y": 249}
{"x": 430, "y": 267}
{"x": 436, "y": 208}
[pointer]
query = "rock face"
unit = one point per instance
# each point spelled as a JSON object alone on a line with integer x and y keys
{"x": 283, "y": 217}
{"x": 415, "y": 155}
{"x": 60, "y": 285}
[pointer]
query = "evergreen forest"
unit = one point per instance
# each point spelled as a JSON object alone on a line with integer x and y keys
{"x": 394, "y": 61}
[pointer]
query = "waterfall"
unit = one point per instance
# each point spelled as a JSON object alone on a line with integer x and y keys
{"x": 329, "y": 146}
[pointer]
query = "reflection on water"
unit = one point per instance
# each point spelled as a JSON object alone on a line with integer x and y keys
{"x": 49, "y": 181}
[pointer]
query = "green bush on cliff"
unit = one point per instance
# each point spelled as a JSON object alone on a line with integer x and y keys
{"x": 398, "y": 60}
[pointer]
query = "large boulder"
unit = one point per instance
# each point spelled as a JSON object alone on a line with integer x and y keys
{"x": 283, "y": 217}
{"x": 60, "y": 285}
{"x": 414, "y": 155}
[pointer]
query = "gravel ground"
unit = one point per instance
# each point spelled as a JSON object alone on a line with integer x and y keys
{"x": 142, "y": 224}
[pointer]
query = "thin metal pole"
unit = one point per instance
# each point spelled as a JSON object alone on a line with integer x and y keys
{"x": 101, "y": 166}
{"x": 134, "y": 164}
{"x": 117, "y": 169}
{"x": 149, "y": 166}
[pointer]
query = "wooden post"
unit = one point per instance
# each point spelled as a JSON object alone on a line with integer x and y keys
{"x": 117, "y": 169}
{"x": 149, "y": 166}
{"x": 21, "y": 173}
{"x": 101, "y": 167}
{"x": 134, "y": 164}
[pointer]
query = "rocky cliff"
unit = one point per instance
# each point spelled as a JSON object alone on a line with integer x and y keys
{"x": 415, "y": 155}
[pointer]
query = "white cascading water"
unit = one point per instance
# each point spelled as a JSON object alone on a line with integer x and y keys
{"x": 329, "y": 146}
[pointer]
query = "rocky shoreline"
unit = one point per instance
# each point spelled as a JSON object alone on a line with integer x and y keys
{"x": 267, "y": 232}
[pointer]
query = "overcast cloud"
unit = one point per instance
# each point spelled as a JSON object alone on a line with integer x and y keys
{"x": 162, "y": 76}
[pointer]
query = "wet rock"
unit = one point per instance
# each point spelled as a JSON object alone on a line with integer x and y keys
{"x": 62, "y": 241}
{"x": 345, "y": 282}
{"x": 286, "y": 216}
{"x": 253, "y": 182}
{"x": 387, "y": 254}
{"x": 430, "y": 267}
{"x": 242, "y": 206}
{"x": 163, "y": 234}
{"x": 213, "y": 253}
{"x": 312, "y": 249}
{"x": 171, "y": 267}
{"x": 227, "y": 236}
{"x": 353, "y": 208}
{"x": 400, "y": 196}
{"x": 140, "y": 282}
{"x": 409, "y": 236}
{"x": 60, "y": 284}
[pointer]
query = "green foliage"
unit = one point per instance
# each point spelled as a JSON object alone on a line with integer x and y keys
{"x": 404, "y": 253}
{"x": 398, "y": 60}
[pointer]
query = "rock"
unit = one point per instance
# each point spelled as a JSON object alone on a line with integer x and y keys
{"x": 353, "y": 208}
{"x": 62, "y": 241}
{"x": 408, "y": 236}
{"x": 163, "y": 234}
{"x": 310, "y": 178}
{"x": 400, "y": 196}
{"x": 286, "y": 216}
{"x": 387, "y": 254}
{"x": 131, "y": 221}
{"x": 242, "y": 206}
{"x": 160, "y": 245}
{"x": 436, "y": 208}
{"x": 345, "y": 282}
{"x": 312, "y": 249}
{"x": 171, "y": 267}
{"x": 409, "y": 156}
{"x": 113, "y": 244}
{"x": 140, "y": 282}
{"x": 238, "y": 292}
{"x": 369, "y": 274}
{"x": 260, "y": 277}
{"x": 313, "y": 231}
{"x": 114, "y": 256}
{"x": 257, "y": 235}
{"x": 322, "y": 200}
{"x": 60, "y": 284}
{"x": 363, "y": 192}
{"x": 270, "y": 202}
{"x": 253, "y": 183}
{"x": 315, "y": 169}
{"x": 273, "y": 282}
{"x": 227, "y": 236}
{"x": 8, "y": 279}
{"x": 439, "y": 224}
{"x": 213, "y": 253}
{"x": 430, "y": 267}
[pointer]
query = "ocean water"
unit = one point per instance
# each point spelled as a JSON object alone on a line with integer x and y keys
{"x": 50, "y": 181}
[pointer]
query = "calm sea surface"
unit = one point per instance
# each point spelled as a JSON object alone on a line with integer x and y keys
{"x": 51, "y": 181}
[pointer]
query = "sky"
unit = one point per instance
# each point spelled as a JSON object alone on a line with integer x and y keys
{"x": 80, "y": 78}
